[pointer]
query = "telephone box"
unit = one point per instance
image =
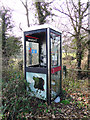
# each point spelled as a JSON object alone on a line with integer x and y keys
{"x": 43, "y": 61}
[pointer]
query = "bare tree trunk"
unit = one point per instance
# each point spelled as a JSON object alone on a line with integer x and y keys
{"x": 89, "y": 59}
{"x": 79, "y": 57}
{"x": 27, "y": 11}
{"x": 88, "y": 62}
{"x": 27, "y": 14}
{"x": 4, "y": 55}
{"x": 42, "y": 11}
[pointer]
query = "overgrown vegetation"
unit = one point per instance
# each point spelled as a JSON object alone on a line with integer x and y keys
{"x": 16, "y": 100}
{"x": 18, "y": 104}
{"x": 15, "y": 96}
{"x": 78, "y": 89}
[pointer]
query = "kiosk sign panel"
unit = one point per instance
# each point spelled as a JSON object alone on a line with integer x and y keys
{"x": 43, "y": 62}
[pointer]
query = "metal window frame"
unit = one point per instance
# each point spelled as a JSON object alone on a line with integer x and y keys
{"x": 56, "y": 32}
{"x": 48, "y": 68}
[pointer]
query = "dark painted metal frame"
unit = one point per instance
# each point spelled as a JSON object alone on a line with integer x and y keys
{"x": 46, "y": 70}
{"x": 48, "y": 67}
{"x": 60, "y": 57}
{"x": 56, "y": 32}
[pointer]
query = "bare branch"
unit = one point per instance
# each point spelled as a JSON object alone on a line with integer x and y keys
{"x": 64, "y": 13}
{"x": 85, "y": 15}
{"x": 48, "y": 3}
{"x": 27, "y": 11}
{"x": 20, "y": 27}
{"x": 23, "y": 3}
{"x": 74, "y": 5}
{"x": 86, "y": 29}
{"x": 71, "y": 16}
{"x": 85, "y": 9}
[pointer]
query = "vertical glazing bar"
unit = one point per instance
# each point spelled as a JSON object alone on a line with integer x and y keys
{"x": 48, "y": 80}
{"x": 24, "y": 57}
{"x": 61, "y": 63}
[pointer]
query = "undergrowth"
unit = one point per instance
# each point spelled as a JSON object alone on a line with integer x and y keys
{"x": 15, "y": 96}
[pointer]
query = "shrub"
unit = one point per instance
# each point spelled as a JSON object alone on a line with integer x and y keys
{"x": 20, "y": 65}
{"x": 15, "y": 96}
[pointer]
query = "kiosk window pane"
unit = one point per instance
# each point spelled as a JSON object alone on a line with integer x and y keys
{"x": 55, "y": 64}
{"x": 32, "y": 53}
{"x": 55, "y": 50}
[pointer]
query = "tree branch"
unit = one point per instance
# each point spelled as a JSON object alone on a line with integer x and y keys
{"x": 23, "y": 3}
{"x": 85, "y": 9}
{"x": 71, "y": 17}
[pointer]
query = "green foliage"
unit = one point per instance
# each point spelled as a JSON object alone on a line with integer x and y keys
{"x": 15, "y": 95}
{"x": 44, "y": 105}
{"x": 59, "y": 111}
{"x": 70, "y": 83}
{"x": 54, "y": 111}
{"x": 13, "y": 46}
{"x": 80, "y": 104}
{"x": 46, "y": 110}
{"x": 65, "y": 102}
{"x": 20, "y": 65}
{"x": 63, "y": 92}
{"x": 39, "y": 105}
{"x": 10, "y": 44}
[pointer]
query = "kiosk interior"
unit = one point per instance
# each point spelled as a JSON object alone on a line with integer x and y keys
{"x": 43, "y": 62}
